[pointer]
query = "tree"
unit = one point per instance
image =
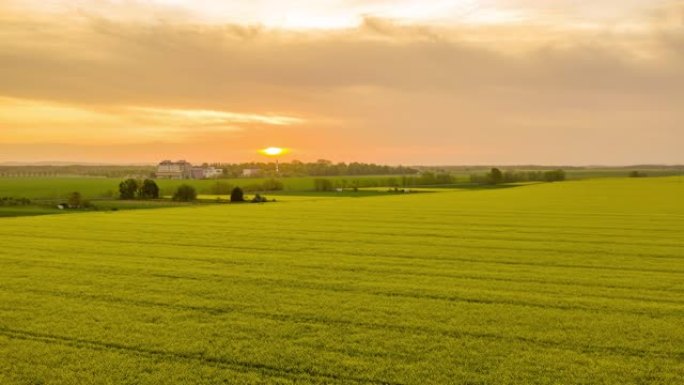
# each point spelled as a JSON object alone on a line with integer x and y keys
{"x": 237, "y": 195}
{"x": 185, "y": 193}
{"x": 495, "y": 176}
{"x": 128, "y": 188}
{"x": 75, "y": 200}
{"x": 149, "y": 190}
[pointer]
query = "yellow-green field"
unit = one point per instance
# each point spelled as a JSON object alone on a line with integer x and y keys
{"x": 564, "y": 283}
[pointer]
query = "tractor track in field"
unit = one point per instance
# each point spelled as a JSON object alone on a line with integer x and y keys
{"x": 311, "y": 284}
{"x": 228, "y": 363}
{"x": 375, "y": 242}
{"x": 128, "y": 271}
{"x": 404, "y": 329}
{"x": 226, "y": 309}
{"x": 118, "y": 270}
{"x": 374, "y": 253}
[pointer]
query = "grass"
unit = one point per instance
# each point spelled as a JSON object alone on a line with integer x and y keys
{"x": 562, "y": 283}
{"x": 60, "y": 187}
{"x": 20, "y": 211}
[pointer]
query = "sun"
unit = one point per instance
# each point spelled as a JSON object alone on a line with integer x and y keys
{"x": 273, "y": 151}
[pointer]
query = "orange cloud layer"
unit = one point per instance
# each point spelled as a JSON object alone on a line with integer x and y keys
{"x": 133, "y": 83}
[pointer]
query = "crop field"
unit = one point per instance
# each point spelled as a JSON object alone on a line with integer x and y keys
{"x": 578, "y": 282}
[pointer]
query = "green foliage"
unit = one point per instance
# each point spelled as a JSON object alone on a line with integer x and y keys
{"x": 321, "y": 167}
{"x": 495, "y": 176}
{"x": 149, "y": 190}
{"x": 185, "y": 193}
{"x": 75, "y": 200}
{"x": 554, "y": 176}
{"x": 237, "y": 195}
{"x": 128, "y": 189}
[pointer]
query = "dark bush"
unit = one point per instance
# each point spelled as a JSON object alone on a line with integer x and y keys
{"x": 75, "y": 200}
{"x": 185, "y": 193}
{"x": 149, "y": 190}
{"x": 554, "y": 176}
{"x": 237, "y": 195}
{"x": 128, "y": 188}
{"x": 495, "y": 176}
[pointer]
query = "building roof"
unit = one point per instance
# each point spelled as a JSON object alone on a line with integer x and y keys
{"x": 168, "y": 162}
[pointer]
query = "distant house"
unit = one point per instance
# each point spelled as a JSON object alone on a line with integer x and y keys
{"x": 212, "y": 172}
{"x": 197, "y": 173}
{"x": 205, "y": 172}
{"x": 251, "y": 172}
{"x": 174, "y": 170}
{"x": 184, "y": 170}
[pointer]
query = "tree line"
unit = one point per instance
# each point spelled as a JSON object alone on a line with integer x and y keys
{"x": 321, "y": 167}
{"x": 41, "y": 171}
{"x": 132, "y": 189}
{"x": 496, "y": 176}
{"x": 148, "y": 189}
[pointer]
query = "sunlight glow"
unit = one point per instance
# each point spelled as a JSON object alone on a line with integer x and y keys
{"x": 273, "y": 151}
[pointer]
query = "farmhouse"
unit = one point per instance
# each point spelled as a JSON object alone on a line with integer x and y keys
{"x": 205, "y": 172}
{"x": 174, "y": 170}
{"x": 212, "y": 172}
{"x": 197, "y": 173}
{"x": 184, "y": 170}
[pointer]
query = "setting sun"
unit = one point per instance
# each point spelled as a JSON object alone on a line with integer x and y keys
{"x": 273, "y": 151}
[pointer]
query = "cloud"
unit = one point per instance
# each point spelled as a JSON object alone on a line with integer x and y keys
{"x": 31, "y": 121}
{"x": 497, "y": 89}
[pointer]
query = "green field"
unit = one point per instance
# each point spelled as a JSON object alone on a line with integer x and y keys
{"x": 52, "y": 188}
{"x": 578, "y": 282}
{"x": 61, "y": 187}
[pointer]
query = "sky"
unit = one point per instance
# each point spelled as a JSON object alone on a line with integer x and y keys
{"x": 563, "y": 82}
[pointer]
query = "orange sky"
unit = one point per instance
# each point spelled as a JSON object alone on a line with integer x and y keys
{"x": 401, "y": 82}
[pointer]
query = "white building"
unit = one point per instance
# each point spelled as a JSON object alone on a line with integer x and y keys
{"x": 174, "y": 170}
{"x": 212, "y": 172}
{"x": 184, "y": 170}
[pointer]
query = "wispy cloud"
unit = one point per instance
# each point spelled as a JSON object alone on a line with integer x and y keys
{"x": 26, "y": 121}
{"x": 210, "y": 117}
